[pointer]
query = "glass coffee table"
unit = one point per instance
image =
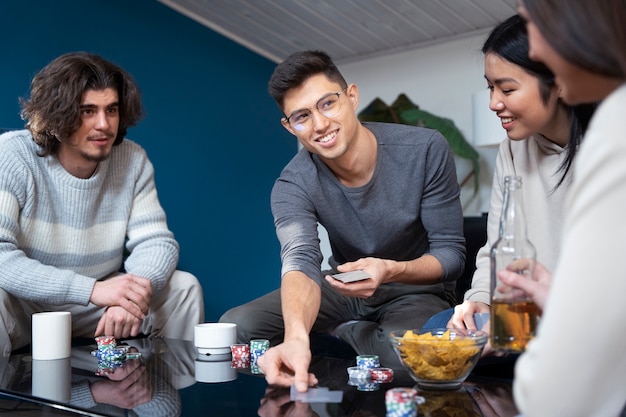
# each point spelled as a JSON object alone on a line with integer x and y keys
{"x": 170, "y": 379}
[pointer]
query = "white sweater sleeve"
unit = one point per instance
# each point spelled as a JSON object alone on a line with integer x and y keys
{"x": 576, "y": 366}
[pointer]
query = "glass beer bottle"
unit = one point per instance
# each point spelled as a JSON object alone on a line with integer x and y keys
{"x": 514, "y": 315}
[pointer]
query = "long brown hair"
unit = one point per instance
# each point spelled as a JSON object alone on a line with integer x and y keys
{"x": 52, "y": 112}
{"x": 589, "y": 34}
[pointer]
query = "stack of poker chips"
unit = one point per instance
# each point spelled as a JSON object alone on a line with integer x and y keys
{"x": 257, "y": 348}
{"x": 367, "y": 361}
{"x": 362, "y": 376}
{"x": 240, "y": 355}
{"x": 402, "y": 402}
{"x": 110, "y": 355}
{"x": 367, "y": 375}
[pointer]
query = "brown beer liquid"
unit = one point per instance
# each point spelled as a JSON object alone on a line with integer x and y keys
{"x": 513, "y": 324}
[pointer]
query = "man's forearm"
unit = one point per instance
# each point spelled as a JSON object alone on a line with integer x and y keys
{"x": 423, "y": 270}
{"x": 300, "y": 298}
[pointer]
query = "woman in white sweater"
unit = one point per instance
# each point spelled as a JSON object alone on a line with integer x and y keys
{"x": 576, "y": 365}
{"x": 543, "y": 134}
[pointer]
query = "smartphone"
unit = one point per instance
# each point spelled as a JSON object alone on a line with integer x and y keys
{"x": 351, "y": 276}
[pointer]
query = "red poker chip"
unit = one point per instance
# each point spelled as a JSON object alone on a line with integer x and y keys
{"x": 382, "y": 374}
{"x": 106, "y": 341}
{"x": 400, "y": 395}
{"x": 240, "y": 363}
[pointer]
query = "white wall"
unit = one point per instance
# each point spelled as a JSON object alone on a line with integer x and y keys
{"x": 441, "y": 80}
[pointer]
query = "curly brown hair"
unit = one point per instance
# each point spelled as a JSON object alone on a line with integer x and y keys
{"x": 52, "y": 113}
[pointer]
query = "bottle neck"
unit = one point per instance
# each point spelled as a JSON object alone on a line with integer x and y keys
{"x": 513, "y": 218}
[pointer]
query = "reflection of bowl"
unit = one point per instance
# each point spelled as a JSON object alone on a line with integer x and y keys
{"x": 439, "y": 403}
{"x": 439, "y": 358}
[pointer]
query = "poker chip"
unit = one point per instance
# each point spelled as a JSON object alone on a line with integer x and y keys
{"x": 402, "y": 402}
{"x": 367, "y": 361}
{"x": 240, "y": 363}
{"x": 368, "y": 387}
{"x": 358, "y": 375}
{"x": 381, "y": 375}
{"x": 110, "y": 355}
{"x": 259, "y": 344}
{"x": 254, "y": 356}
{"x": 256, "y": 353}
{"x": 104, "y": 371}
{"x": 240, "y": 351}
{"x": 106, "y": 342}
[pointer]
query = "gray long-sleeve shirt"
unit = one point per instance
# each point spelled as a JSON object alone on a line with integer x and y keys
{"x": 409, "y": 208}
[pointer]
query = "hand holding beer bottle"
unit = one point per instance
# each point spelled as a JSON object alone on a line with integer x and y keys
{"x": 514, "y": 315}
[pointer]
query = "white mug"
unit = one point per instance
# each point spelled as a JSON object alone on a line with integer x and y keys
{"x": 52, "y": 335}
{"x": 214, "y": 338}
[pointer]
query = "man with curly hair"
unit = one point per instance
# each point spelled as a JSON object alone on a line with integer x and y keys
{"x": 81, "y": 227}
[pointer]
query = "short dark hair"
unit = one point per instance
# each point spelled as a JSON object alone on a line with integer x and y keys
{"x": 509, "y": 40}
{"x": 52, "y": 112}
{"x": 297, "y": 68}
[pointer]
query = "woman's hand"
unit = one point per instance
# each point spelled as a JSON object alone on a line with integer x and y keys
{"x": 537, "y": 287}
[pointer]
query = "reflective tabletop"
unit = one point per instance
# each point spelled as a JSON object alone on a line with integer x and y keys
{"x": 170, "y": 378}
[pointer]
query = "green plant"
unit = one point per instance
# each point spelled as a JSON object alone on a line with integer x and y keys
{"x": 404, "y": 111}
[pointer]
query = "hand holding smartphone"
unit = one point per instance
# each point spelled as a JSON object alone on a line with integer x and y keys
{"x": 351, "y": 276}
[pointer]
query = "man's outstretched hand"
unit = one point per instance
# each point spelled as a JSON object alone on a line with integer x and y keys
{"x": 287, "y": 364}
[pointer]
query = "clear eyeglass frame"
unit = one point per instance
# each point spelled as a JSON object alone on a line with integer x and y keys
{"x": 328, "y": 106}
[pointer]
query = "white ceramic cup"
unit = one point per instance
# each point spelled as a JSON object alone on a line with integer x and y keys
{"x": 52, "y": 335}
{"x": 214, "y": 338}
{"x": 52, "y": 379}
{"x": 215, "y": 371}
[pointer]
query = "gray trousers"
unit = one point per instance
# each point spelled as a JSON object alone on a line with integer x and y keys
{"x": 392, "y": 307}
{"x": 173, "y": 313}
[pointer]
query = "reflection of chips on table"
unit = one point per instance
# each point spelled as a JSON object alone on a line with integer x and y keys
{"x": 444, "y": 359}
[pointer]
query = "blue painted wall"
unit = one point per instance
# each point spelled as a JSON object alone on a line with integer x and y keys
{"x": 211, "y": 130}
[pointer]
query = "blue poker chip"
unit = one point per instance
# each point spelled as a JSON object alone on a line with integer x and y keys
{"x": 367, "y": 361}
{"x": 369, "y": 386}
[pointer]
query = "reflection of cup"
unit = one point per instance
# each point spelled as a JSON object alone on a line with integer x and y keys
{"x": 51, "y": 379}
{"x": 214, "y": 338}
{"x": 219, "y": 370}
{"x": 52, "y": 335}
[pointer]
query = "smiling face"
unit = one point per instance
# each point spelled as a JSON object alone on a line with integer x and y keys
{"x": 93, "y": 140}
{"x": 516, "y": 99}
{"x": 328, "y": 137}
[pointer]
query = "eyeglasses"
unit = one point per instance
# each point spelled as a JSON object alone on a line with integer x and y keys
{"x": 328, "y": 106}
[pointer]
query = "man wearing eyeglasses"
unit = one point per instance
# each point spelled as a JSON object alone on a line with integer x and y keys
{"x": 389, "y": 198}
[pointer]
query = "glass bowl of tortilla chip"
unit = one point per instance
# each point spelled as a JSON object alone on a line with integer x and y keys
{"x": 438, "y": 358}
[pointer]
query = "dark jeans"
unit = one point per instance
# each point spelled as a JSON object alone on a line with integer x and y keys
{"x": 366, "y": 323}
